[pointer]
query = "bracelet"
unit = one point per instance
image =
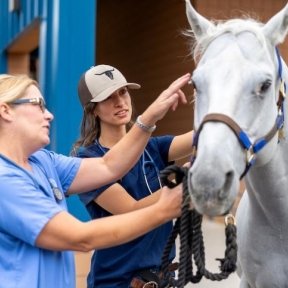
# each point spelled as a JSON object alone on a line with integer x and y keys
{"x": 144, "y": 127}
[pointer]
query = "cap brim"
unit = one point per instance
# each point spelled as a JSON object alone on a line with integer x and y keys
{"x": 108, "y": 92}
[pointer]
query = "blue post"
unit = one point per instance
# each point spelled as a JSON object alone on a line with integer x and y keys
{"x": 3, "y": 35}
{"x": 67, "y": 49}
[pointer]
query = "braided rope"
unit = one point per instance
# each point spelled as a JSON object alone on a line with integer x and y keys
{"x": 188, "y": 227}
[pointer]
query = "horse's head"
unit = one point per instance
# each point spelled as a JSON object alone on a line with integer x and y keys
{"x": 237, "y": 82}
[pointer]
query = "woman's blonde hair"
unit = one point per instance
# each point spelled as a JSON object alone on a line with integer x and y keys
{"x": 13, "y": 87}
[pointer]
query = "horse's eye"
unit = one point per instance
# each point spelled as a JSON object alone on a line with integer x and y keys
{"x": 265, "y": 86}
{"x": 194, "y": 89}
{"x": 193, "y": 84}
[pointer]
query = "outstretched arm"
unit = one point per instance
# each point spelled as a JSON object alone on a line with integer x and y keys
{"x": 64, "y": 232}
{"x": 181, "y": 146}
{"x": 116, "y": 200}
{"x": 96, "y": 172}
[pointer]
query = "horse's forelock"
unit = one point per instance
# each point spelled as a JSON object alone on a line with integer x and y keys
{"x": 233, "y": 26}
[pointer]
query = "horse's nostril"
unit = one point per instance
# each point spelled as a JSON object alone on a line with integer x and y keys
{"x": 229, "y": 175}
{"x": 227, "y": 185}
{"x": 229, "y": 179}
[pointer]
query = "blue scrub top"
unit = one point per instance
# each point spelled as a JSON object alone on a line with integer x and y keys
{"x": 26, "y": 206}
{"x": 116, "y": 266}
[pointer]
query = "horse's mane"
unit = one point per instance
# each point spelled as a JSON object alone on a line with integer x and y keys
{"x": 219, "y": 27}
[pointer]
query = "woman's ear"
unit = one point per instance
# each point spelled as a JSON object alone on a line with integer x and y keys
{"x": 6, "y": 112}
{"x": 95, "y": 113}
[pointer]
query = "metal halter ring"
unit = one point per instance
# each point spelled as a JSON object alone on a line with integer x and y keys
{"x": 150, "y": 283}
{"x": 230, "y": 219}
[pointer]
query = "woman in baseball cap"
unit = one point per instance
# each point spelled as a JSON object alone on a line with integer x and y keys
{"x": 105, "y": 96}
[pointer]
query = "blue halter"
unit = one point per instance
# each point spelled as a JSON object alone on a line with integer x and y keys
{"x": 243, "y": 138}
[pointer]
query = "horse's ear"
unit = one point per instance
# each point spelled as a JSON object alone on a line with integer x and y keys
{"x": 277, "y": 27}
{"x": 198, "y": 23}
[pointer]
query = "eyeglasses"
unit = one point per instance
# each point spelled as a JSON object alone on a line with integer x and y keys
{"x": 34, "y": 101}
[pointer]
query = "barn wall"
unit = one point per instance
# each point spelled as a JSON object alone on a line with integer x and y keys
{"x": 145, "y": 42}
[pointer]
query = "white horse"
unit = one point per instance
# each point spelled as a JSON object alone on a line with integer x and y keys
{"x": 240, "y": 110}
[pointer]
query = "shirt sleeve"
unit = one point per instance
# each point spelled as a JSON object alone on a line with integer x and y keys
{"x": 89, "y": 152}
{"x": 24, "y": 207}
{"x": 65, "y": 167}
{"x": 159, "y": 147}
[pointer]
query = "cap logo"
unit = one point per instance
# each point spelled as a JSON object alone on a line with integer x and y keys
{"x": 108, "y": 73}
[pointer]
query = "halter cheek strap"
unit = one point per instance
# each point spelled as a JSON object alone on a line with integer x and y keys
{"x": 243, "y": 138}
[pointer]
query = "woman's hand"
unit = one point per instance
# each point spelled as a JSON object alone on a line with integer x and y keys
{"x": 169, "y": 98}
{"x": 170, "y": 201}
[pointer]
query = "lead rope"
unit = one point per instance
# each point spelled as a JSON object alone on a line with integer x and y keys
{"x": 192, "y": 251}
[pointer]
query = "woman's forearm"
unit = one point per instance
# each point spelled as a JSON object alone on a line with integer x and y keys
{"x": 65, "y": 232}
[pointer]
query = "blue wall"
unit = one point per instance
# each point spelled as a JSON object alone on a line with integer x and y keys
{"x": 3, "y": 35}
{"x": 66, "y": 50}
{"x": 12, "y": 23}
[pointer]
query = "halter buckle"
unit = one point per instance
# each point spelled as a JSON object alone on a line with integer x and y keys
{"x": 230, "y": 219}
{"x": 250, "y": 156}
{"x": 282, "y": 89}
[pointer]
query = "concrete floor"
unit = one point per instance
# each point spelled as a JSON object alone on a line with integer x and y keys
{"x": 214, "y": 241}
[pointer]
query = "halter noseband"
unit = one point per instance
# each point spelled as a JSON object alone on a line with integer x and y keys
{"x": 243, "y": 138}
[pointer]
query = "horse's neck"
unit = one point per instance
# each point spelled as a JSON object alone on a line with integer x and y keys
{"x": 267, "y": 187}
{"x": 273, "y": 173}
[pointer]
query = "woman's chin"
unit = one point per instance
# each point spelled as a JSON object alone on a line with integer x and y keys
{"x": 45, "y": 142}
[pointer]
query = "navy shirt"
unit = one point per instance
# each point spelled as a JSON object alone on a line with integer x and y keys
{"x": 116, "y": 266}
